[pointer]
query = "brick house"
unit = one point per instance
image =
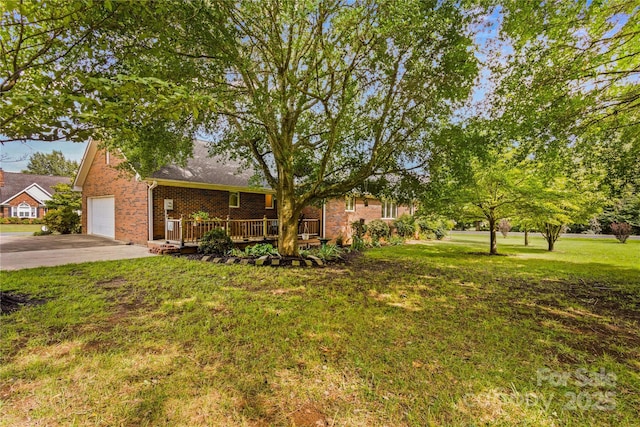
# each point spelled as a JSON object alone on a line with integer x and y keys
{"x": 24, "y": 195}
{"x": 122, "y": 207}
{"x": 340, "y": 213}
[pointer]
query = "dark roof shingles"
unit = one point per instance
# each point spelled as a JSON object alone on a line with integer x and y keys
{"x": 203, "y": 168}
{"x": 15, "y": 183}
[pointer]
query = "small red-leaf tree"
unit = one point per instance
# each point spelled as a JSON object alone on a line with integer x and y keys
{"x": 622, "y": 230}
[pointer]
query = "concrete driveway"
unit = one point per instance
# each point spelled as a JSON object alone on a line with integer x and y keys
{"x": 18, "y": 252}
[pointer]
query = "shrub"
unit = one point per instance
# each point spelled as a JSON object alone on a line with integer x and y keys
{"x": 42, "y": 232}
{"x": 15, "y": 220}
{"x": 622, "y": 230}
{"x": 377, "y": 229}
{"x": 63, "y": 220}
{"x": 328, "y": 252}
{"x": 504, "y": 226}
{"x": 594, "y": 226}
{"x": 359, "y": 229}
{"x": 434, "y": 226}
{"x": 200, "y": 216}
{"x": 238, "y": 253}
{"x": 215, "y": 242}
{"x": 405, "y": 226}
{"x": 396, "y": 240}
{"x": 304, "y": 253}
{"x": 261, "y": 249}
{"x": 357, "y": 244}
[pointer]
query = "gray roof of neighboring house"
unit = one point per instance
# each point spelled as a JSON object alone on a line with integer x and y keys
{"x": 206, "y": 169}
{"x": 15, "y": 183}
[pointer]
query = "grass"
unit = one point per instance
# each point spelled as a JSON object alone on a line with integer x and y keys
{"x": 432, "y": 334}
{"x": 19, "y": 228}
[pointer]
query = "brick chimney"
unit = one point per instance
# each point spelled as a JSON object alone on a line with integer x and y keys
{"x": 1, "y": 178}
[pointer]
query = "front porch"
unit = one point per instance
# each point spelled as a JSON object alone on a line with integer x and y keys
{"x": 188, "y": 232}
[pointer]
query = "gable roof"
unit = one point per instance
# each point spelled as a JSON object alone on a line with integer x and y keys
{"x": 201, "y": 171}
{"x": 37, "y": 186}
{"x": 203, "y": 168}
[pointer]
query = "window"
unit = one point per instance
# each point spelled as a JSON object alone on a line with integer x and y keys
{"x": 23, "y": 210}
{"x": 389, "y": 209}
{"x": 350, "y": 204}
{"x": 234, "y": 200}
{"x": 269, "y": 201}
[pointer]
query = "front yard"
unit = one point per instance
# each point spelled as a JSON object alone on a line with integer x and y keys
{"x": 433, "y": 334}
{"x": 19, "y": 228}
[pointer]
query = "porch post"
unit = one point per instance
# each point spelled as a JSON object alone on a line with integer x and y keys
{"x": 182, "y": 228}
{"x": 264, "y": 227}
{"x": 227, "y": 225}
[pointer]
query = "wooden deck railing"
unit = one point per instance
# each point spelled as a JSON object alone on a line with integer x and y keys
{"x": 180, "y": 230}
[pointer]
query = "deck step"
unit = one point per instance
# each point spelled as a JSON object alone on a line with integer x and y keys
{"x": 164, "y": 249}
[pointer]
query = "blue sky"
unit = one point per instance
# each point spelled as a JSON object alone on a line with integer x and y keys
{"x": 14, "y": 156}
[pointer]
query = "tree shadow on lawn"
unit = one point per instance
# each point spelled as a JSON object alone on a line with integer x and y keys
{"x": 268, "y": 355}
{"x": 454, "y": 255}
{"x": 597, "y": 288}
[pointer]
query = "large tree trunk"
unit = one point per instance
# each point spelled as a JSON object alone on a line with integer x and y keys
{"x": 550, "y": 244}
{"x": 526, "y": 236}
{"x": 492, "y": 233}
{"x": 288, "y": 214}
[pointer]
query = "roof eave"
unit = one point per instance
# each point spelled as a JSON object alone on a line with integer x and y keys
{"x": 209, "y": 186}
{"x": 26, "y": 190}
{"x": 85, "y": 164}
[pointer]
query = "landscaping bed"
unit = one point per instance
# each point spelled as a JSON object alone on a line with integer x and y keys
{"x": 274, "y": 261}
{"x": 216, "y": 246}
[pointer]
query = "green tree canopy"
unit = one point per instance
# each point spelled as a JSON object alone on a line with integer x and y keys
{"x": 45, "y": 51}
{"x": 65, "y": 197}
{"x": 502, "y": 179}
{"x": 570, "y": 76}
{"x": 53, "y": 163}
{"x": 317, "y": 95}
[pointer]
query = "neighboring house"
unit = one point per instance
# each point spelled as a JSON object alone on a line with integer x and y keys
{"x": 24, "y": 195}
{"x": 122, "y": 207}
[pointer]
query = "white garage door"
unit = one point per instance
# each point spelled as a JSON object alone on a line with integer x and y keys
{"x": 101, "y": 219}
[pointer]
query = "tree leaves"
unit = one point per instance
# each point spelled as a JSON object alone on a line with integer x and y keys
{"x": 53, "y": 163}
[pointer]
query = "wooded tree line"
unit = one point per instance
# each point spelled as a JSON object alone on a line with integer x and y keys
{"x": 320, "y": 96}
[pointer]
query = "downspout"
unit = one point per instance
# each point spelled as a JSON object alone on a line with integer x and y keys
{"x": 153, "y": 185}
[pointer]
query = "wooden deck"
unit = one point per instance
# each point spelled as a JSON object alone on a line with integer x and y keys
{"x": 185, "y": 232}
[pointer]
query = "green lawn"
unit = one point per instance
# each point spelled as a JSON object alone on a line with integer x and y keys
{"x": 19, "y": 228}
{"x": 433, "y": 334}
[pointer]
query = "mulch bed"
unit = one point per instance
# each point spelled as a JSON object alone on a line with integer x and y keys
{"x": 10, "y": 302}
{"x": 347, "y": 258}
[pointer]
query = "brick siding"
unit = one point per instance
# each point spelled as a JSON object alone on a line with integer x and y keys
{"x": 215, "y": 202}
{"x": 130, "y": 198}
{"x": 338, "y": 222}
{"x": 131, "y": 208}
{"x": 23, "y": 197}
